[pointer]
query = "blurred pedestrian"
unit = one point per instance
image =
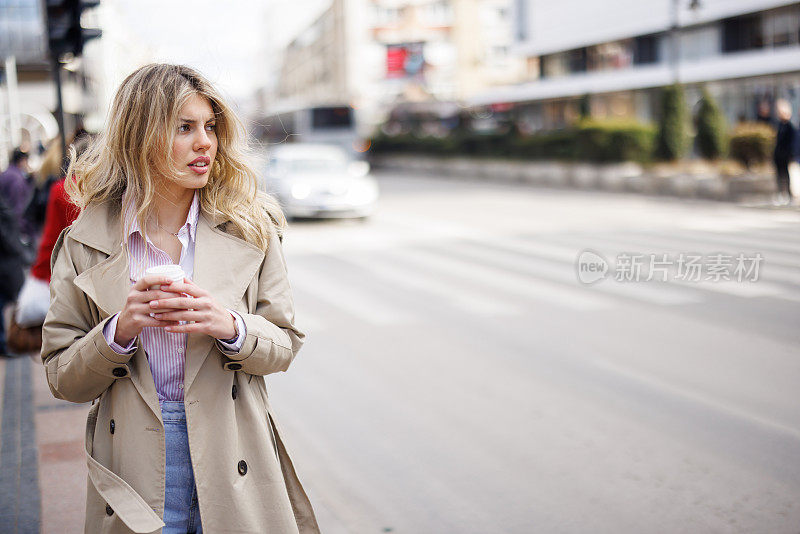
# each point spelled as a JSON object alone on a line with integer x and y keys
{"x": 16, "y": 187}
{"x": 49, "y": 173}
{"x": 34, "y": 298}
{"x": 784, "y": 151}
{"x": 764, "y": 112}
{"x": 12, "y": 264}
{"x": 60, "y": 214}
{"x": 167, "y": 185}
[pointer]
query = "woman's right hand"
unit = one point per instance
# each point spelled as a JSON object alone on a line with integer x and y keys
{"x": 135, "y": 315}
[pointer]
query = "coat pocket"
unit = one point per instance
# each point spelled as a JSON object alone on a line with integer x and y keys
{"x": 120, "y": 498}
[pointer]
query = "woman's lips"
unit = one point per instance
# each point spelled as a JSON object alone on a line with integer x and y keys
{"x": 200, "y": 165}
{"x": 199, "y": 170}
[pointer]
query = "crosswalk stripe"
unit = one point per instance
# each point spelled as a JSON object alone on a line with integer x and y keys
{"x": 566, "y": 273}
{"x": 514, "y": 284}
{"x": 743, "y": 241}
{"x": 349, "y": 298}
{"x": 418, "y": 280}
{"x": 609, "y": 247}
{"x": 769, "y": 241}
{"x": 788, "y": 258}
{"x": 768, "y": 270}
{"x": 786, "y": 235}
{"x": 535, "y": 248}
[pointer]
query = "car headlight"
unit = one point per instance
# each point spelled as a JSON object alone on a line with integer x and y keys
{"x": 300, "y": 191}
{"x": 358, "y": 168}
{"x": 363, "y": 192}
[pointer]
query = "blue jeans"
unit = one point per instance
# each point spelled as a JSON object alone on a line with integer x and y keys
{"x": 181, "y": 510}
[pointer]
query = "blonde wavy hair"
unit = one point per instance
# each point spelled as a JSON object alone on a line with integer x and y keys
{"x": 134, "y": 151}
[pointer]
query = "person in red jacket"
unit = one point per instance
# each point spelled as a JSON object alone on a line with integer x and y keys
{"x": 60, "y": 214}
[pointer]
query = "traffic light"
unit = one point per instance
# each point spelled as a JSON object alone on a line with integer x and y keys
{"x": 64, "y": 30}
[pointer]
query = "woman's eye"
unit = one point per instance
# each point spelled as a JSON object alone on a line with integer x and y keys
{"x": 183, "y": 128}
{"x": 211, "y": 127}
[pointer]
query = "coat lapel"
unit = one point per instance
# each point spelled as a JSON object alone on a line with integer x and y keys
{"x": 224, "y": 265}
{"x": 108, "y": 283}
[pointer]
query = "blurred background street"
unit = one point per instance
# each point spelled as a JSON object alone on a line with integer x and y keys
{"x": 459, "y": 378}
{"x": 546, "y": 254}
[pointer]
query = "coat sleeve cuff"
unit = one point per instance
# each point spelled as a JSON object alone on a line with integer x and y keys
{"x": 250, "y": 342}
{"x": 230, "y": 347}
{"x": 101, "y": 358}
{"x": 110, "y": 332}
{"x": 264, "y": 351}
{"x": 236, "y": 358}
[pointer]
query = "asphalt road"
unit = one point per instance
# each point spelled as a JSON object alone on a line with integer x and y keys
{"x": 459, "y": 378}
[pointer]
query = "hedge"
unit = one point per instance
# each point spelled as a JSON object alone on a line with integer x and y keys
{"x": 590, "y": 140}
{"x": 752, "y": 143}
{"x": 614, "y": 141}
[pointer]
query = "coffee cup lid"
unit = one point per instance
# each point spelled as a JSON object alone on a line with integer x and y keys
{"x": 174, "y": 272}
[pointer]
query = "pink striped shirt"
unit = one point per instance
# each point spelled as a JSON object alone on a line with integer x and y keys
{"x": 166, "y": 351}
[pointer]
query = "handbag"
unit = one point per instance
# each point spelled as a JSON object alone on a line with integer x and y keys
{"x": 22, "y": 339}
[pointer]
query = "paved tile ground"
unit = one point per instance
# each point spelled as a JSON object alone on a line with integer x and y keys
{"x": 43, "y": 486}
{"x": 60, "y": 429}
{"x": 19, "y": 479}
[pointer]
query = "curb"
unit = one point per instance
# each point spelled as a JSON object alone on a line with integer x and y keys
{"x": 614, "y": 177}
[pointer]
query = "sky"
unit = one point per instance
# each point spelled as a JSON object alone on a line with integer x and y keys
{"x": 234, "y": 43}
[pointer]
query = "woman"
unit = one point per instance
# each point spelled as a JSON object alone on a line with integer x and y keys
{"x": 182, "y": 436}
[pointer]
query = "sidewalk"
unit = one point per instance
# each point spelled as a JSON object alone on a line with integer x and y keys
{"x": 42, "y": 461}
{"x": 748, "y": 190}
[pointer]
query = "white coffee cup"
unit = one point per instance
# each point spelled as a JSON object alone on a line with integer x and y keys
{"x": 173, "y": 272}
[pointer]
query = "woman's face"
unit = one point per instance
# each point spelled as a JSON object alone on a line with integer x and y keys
{"x": 195, "y": 144}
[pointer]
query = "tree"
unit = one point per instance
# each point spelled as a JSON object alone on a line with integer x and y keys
{"x": 712, "y": 139}
{"x": 672, "y": 138}
{"x": 585, "y": 107}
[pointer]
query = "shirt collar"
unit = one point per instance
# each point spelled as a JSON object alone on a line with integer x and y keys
{"x": 132, "y": 224}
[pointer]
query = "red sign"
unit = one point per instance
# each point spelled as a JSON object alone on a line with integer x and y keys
{"x": 405, "y": 60}
{"x": 395, "y": 61}
{"x": 501, "y": 106}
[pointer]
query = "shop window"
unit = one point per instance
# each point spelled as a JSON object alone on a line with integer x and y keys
{"x": 645, "y": 50}
{"x": 563, "y": 63}
{"x": 610, "y": 56}
{"x": 742, "y": 33}
{"x": 781, "y": 27}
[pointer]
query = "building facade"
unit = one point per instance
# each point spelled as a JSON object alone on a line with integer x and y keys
{"x": 376, "y": 56}
{"x": 620, "y": 52}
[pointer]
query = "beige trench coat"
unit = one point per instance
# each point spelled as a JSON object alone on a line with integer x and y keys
{"x": 245, "y": 479}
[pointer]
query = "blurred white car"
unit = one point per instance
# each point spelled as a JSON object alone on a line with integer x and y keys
{"x": 317, "y": 180}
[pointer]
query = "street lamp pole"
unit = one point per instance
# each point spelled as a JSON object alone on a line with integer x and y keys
{"x": 56, "y": 70}
{"x": 674, "y": 33}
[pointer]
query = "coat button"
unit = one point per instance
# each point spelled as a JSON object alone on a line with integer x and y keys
{"x": 235, "y": 366}
{"x": 119, "y": 371}
{"x": 234, "y": 391}
{"x": 109, "y": 511}
{"x": 242, "y": 467}
{"x": 112, "y": 426}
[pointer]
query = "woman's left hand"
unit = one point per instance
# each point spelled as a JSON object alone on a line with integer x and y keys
{"x": 208, "y": 316}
